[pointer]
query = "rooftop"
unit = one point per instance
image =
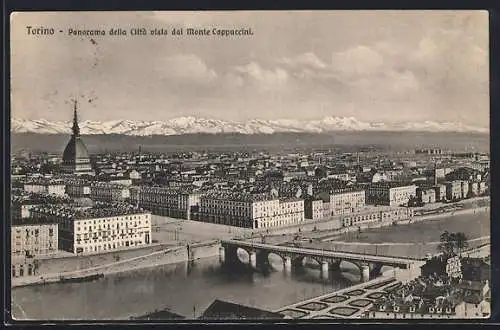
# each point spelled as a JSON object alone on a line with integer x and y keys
{"x": 27, "y": 198}
{"x": 223, "y": 310}
{"x": 99, "y": 210}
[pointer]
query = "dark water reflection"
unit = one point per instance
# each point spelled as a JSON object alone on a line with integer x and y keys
{"x": 186, "y": 288}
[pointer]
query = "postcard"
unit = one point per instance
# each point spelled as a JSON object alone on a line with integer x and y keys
{"x": 250, "y": 165}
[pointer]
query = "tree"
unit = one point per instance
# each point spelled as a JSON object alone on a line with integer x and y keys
{"x": 452, "y": 243}
{"x": 460, "y": 242}
{"x": 446, "y": 245}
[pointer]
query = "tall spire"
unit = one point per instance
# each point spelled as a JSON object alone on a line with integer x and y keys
{"x": 76, "y": 129}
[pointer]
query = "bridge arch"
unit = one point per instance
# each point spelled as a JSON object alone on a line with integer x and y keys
{"x": 243, "y": 254}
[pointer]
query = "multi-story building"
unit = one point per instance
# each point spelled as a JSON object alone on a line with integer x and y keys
{"x": 454, "y": 190}
{"x": 390, "y": 193}
{"x": 102, "y": 228}
{"x": 378, "y": 214}
{"x": 33, "y": 238}
{"x": 165, "y": 201}
{"x": 346, "y": 202}
{"x": 313, "y": 209}
{"x": 30, "y": 239}
{"x": 440, "y": 192}
{"x": 78, "y": 188}
{"x": 109, "y": 192}
{"x": 45, "y": 186}
{"x": 426, "y": 195}
{"x": 23, "y": 203}
{"x": 421, "y": 310}
{"x": 482, "y": 187}
{"x": 474, "y": 188}
{"x": 464, "y": 188}
{"x": 250, "y": 211}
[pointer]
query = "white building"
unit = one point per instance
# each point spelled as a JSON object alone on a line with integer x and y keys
{"x": 50, "y": 187}
{"x": 344, "y": 201}
{"x": 250, "y": 211}
{"x": 388, "y": 193}
{"x": 98, "y": 229}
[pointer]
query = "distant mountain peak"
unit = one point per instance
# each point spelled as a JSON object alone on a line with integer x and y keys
{"x": 192, "y": 124}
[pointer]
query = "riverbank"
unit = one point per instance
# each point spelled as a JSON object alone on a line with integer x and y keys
{"x": 154, "y": 259}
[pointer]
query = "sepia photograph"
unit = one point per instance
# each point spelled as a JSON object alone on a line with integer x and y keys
{"x": 250, "y": 165}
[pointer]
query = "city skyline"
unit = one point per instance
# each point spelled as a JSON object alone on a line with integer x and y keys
{"x": 388, "y": 66}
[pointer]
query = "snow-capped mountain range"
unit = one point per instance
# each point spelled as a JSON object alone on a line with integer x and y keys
{"x": 191, "y": 125}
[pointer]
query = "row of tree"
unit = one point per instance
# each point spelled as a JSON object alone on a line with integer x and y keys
{"x": 453, "y": 243}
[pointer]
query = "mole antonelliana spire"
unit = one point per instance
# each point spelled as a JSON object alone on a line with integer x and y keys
{"x": 76, "y": 157}
{"x": 76, "y": 129}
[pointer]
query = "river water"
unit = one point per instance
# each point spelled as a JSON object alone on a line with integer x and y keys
{"x": 186, "y": 288}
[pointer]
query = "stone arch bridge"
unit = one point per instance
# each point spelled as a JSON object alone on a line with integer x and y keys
{"x": 369, "y": 265}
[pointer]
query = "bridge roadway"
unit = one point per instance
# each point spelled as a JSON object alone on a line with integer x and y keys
{"x": 369, "y": 265}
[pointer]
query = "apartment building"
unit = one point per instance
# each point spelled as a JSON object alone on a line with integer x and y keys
{"x": 166, "y": 201}
{"x": 45, "y": 186}
{"x": 426, "y": 195}
{"x": 379, "y": 214}
{"x": 109, "y": 192}
{"x": 389, "y": 193}
{"x": 440, "y": 192}
{"x": 345, "y": 201}
{"x": 313, "y": 209}
{"x": 250, "y": 211}
{"x": 454, "y": 190}
{"x": 22, "y": 204}
{"x": 78, "y": 188}
{"x": 101, "y": 228}
{"x": 30, "y": 239}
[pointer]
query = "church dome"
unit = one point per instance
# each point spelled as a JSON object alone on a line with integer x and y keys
{"x": 75, "y": 149}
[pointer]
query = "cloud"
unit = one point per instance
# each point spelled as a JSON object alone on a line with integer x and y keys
{"x": 304, "y": 60}
{"x": 188, "y": 67}
{"x": 360, "y": 60}
{"x": 254, "y": 73}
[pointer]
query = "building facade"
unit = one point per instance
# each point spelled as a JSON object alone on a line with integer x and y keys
{"x": 165, "y": 201}
{"x": 390, "y": 194}
{"x": 33, "y": 239}
{"x": 346, "y": 202}
{"x": 250, "y": 211}
{"x": 380, "y": 214}
{"x": 48, "y": 187}
{"x": 426, "y": 195}
{"x": 109, "y": 192}
{"x": 98, "y": 229}
{"x": 454, "y": 190}
{"x": 78, "y": 188}
{"x": 313, "y": 209}
{"x": 29, "y": 240}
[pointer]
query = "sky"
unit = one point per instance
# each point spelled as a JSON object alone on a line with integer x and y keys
{"x": 375, "y": 66}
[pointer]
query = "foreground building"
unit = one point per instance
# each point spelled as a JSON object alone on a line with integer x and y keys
{"x": 30, "y": 239}
{"x": 101, "y": 228}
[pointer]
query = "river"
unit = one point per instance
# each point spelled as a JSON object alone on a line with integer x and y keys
{"x": 187, "y": 289}
{"x": 184, "y": 286}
